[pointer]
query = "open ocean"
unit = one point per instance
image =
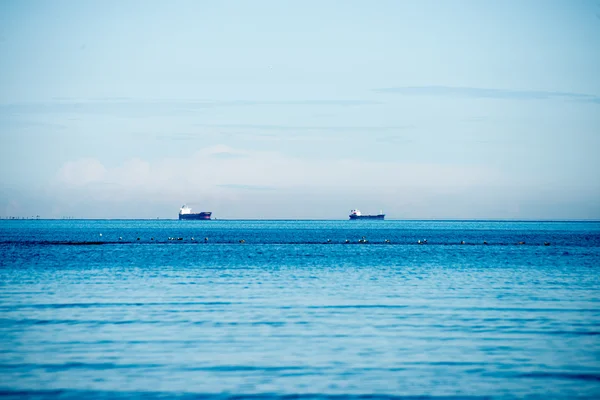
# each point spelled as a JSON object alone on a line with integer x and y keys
{"x": 296, "y": 312}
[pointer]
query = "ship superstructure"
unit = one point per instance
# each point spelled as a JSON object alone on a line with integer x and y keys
{"x": 356, "y": 214}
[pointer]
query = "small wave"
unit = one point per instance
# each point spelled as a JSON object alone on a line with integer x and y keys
{"x": 358, "y": 306}
{"x": 98, "y": 305}
{"x": 562, "y": 375}
{"x": 146, "y": 395}
{"x": 244, "y": 368}
{"x": 75, "y": 365}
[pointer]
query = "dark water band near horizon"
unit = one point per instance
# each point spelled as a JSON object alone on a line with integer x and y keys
{"x": 299, "y": 309}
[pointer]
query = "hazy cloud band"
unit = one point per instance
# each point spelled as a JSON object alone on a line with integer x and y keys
{"x": 482, "y": 93}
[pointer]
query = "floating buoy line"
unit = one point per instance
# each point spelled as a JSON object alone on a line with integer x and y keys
{"x": 363, "y": 240}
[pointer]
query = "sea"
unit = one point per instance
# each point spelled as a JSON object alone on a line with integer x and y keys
{"x": 161, "y": 309}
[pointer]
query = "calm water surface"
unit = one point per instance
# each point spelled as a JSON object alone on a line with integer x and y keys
{"x": 87, "y": 310}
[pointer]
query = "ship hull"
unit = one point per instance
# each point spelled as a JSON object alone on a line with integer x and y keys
{"x": 378, "y": 216}
{"x": 203, "y": 216}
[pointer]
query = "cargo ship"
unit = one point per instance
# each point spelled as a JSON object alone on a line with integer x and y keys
{"x": 186, "y": 213}
{"x": 356, "y": 214}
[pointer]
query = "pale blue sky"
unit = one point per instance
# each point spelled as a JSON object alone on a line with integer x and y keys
{"x": 272, "y": 109}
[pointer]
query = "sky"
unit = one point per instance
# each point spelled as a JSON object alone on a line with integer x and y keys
{"x": 302, "y": 109}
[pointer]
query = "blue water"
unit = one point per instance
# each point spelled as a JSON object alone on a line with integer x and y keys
{"x": 295, "y": 311}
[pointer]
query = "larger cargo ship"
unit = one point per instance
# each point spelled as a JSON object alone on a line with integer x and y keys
{"x": 186, "y": 213}
{"x": 356, "y": 214}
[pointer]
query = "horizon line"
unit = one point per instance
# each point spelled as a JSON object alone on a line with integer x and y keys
{"x": 300, "y": 219}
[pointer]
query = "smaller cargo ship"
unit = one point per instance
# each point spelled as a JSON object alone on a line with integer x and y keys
{"x": 186, "y": 213}
{"x": 356, "y": 214}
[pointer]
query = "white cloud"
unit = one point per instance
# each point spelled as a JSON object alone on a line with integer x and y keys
{"x": 224, "y": 175}
{"x": 82, "y": 172}
{"x": 224, "y": 166}
{"x": 235, "y": 183}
